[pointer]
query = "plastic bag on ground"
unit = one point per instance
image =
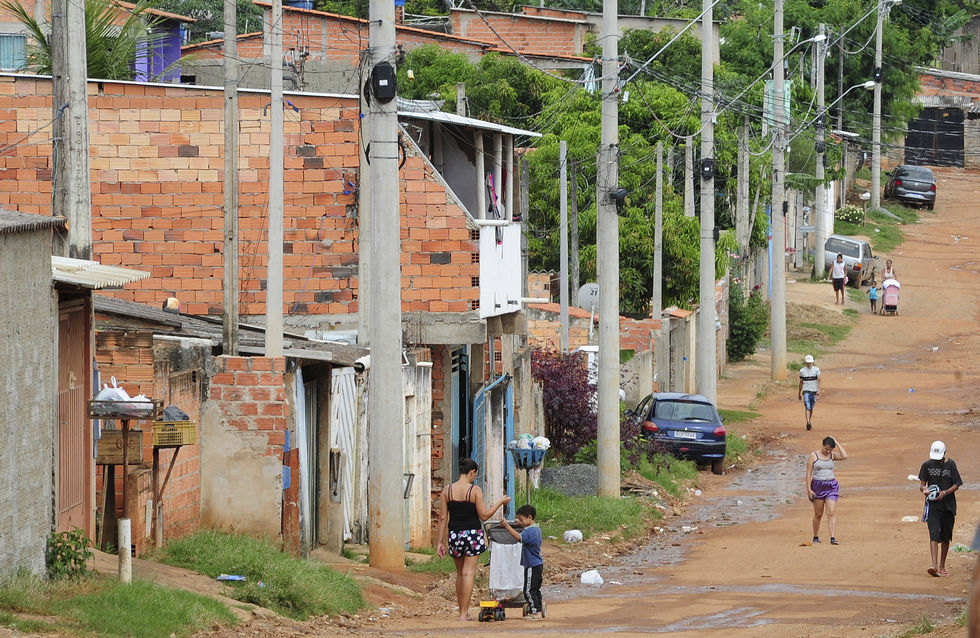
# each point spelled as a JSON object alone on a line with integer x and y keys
{"x": 572, "y": 536}
{"x": 591, "y": 577}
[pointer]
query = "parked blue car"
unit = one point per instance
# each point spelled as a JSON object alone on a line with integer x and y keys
{"x": 688, "y": 425}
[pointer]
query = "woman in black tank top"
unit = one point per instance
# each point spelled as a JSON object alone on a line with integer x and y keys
{"x": 461, "y": 516}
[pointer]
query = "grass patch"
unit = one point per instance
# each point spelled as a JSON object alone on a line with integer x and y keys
{"x": 669, "y": 472}
{"x": 627, "y": 516}
{"x": 144, "y": 609}
{"x": 924, "y": 626}
{"x": 291, "y": 586}
{"x": 884, "y": 232}
{"x": 11, "y": 621}
{"x": 821, "y": 336}
{"x": 738, "y": 416}
{"x": 105, "y": 607}
{"x": 737, "y": 449}
{"x": 760, "y": 395}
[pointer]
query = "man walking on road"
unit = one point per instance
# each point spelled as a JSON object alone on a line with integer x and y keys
{"x": 809, "y": 388}
{"x": 938, "y": 480}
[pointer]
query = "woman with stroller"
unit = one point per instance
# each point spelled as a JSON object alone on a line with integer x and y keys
{"x": 461, "y": 516}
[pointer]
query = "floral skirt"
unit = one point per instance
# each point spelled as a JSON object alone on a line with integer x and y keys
{"x": 466, "y": 542}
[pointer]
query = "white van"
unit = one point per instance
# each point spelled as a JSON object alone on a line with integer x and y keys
{"x": 858, "y": 259}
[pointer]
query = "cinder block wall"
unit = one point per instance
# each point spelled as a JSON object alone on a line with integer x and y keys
{"x": 29, "y": 377}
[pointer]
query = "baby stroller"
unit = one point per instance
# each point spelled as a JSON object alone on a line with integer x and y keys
{"x": 506, "y": 574}
{"x": 889, "y": 296}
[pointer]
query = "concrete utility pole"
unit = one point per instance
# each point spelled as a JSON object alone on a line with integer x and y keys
{"x": 883, "y": 7}
{"x": 689, "y": 177}
{"x": 229, "y": 338}
{"x": 707, "y": 375}
{"x": 386, "y": 540}
{"x": 563, "y": 230}
{"x": 820, "y": 199}
{"x": 777, "y": 322}
{"x": 742, "y": 190}
{"x": 573, "y": 187}
{"x": 59, "y": 98}
{"x": 657, "y": 305}
{"x": 273, "y": 293}
{"x": 607, "y": 181}
{"x": 79, "y": 184}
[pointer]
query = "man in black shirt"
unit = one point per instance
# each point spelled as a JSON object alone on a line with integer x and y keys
{"x": 938, "y": 480}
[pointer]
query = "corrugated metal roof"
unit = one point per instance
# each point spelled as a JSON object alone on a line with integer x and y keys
{"x": 13, "y": 222}
{"x": 251, "y": 339}
{"x": 417, "y": 109}
{"x": 92, "y": 274}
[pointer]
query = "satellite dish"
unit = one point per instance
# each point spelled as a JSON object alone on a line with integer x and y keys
{"x": 588, "y": 297}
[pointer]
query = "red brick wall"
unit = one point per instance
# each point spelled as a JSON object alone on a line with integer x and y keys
{"x": 157, "y": 179}
{"x": 528, "y": 34}
{"x": 332, "y": 37}
{"x": 544, "y": 328}
{"x": 252, "y": 394}
{"x": 936, "y": 85}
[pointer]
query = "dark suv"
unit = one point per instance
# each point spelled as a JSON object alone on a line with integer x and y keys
{"x": 687, "y": 424}
{"x": 912, "y": 185}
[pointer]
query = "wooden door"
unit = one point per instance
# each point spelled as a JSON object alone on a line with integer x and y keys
{"x": 75, "y": 461}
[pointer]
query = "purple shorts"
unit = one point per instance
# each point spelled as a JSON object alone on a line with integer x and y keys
{"x": 825, "y": 489}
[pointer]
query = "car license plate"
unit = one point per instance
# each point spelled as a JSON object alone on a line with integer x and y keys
{"x": 682, "y": 434}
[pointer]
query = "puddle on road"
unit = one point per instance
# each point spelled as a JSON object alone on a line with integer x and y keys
{"x": 759, "y": 492}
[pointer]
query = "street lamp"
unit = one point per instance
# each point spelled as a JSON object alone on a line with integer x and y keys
{"x": 883, "y": 8}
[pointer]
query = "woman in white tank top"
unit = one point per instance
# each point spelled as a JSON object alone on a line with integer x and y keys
{"x": 822, "y": 487}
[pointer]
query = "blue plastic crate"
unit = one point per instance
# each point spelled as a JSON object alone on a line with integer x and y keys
{"x": 527, "y": 459}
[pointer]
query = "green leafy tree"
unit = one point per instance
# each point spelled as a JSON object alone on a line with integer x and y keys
{"x": 112, "y": 49}
{"x": 210, "y": 15}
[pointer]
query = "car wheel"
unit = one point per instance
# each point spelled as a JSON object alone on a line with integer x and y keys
{"x": 930, "y": 206}
{"x": 718, "y": 466}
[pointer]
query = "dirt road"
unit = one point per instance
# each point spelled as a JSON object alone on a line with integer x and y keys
{"x": 746, "y": 568}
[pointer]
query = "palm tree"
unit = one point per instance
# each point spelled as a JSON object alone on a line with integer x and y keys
{"x": 113, "y": 49}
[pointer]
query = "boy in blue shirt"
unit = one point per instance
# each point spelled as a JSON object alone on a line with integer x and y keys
{"x": 531, "y": 560}
{"x": 873, "y": 296}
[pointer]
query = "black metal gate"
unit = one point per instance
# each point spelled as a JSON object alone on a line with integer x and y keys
{"x": 935, "y": 138}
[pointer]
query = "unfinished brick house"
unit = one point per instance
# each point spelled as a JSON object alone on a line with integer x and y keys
{"x": 156, "y": 162}
{"x": 322, "y": 51}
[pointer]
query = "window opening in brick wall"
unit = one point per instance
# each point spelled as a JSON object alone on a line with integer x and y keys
{"x": 13, "y": 49}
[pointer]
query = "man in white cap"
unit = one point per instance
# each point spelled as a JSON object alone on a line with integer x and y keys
{"x": 809, "y": 388}
{"x": 938, "y": 480}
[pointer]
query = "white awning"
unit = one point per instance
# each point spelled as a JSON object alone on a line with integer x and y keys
{"x": 92, "y": 274}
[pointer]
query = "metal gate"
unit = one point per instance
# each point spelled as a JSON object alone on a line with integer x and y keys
{"x": 343, "y": 419}
{"x": 935, "y": 138}
{"x": 75, "y": 462}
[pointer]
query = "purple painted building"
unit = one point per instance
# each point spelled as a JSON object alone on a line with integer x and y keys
{"x": 160, "y": 62}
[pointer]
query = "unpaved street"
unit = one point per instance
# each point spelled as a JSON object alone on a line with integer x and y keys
{"x": 747, "y": 568}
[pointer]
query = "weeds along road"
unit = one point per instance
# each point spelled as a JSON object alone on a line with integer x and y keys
{"x": 892, "y": 387}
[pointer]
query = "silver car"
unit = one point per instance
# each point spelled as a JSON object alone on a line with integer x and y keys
{"x": 858, "y": 260}
{"x": 912, "y": 185}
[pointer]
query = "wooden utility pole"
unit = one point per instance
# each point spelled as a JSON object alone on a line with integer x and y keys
{"x": 273, "y": 302}
{"x": 230, "y": 282}
{"x": 79, "y": 183}
{"x": 59, "y": 103}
